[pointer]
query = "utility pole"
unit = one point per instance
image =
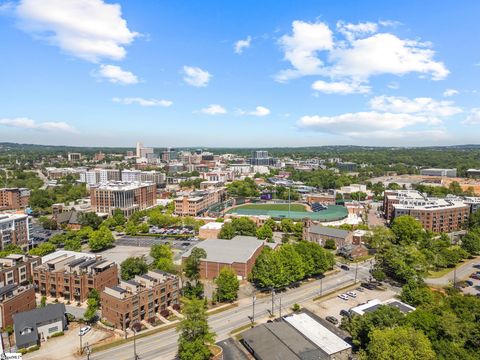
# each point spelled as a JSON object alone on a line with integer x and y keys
{"x": 273, "y": 294}
{"x": 356, "y": 271}
{"x": 88, "y": 351}
{"x": 321, "y": 285}
{"x": 135, "y": 356}
{"x": 280, "y": 308}
{"x": 289, "y": 202}
{"x": 454, "y": 277}
{"x": 254, "y": 298}
{"x": 80, "y": 333}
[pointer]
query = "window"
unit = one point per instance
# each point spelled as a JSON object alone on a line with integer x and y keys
{"x": 26, "y": 330}
{"x": 53, "y": 329}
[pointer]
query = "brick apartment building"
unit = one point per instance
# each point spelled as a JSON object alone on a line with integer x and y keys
{"x": 128, "y": 197}
{"x": 17, "y": 269}
{"x": 73, "y": 275}
{"x": 139, "y": 299}
{"x": 15, "y": 230}
{"x": 15, "y": 299}
{"x": 437, "y": 215}
{"x": 197, "y": 202}
{"x": 14, "y": 198}
{"x": 239, "y": 253}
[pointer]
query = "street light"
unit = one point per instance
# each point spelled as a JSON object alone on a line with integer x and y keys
{"x": 135, "y": 356}
{"x": 254, "y": 299}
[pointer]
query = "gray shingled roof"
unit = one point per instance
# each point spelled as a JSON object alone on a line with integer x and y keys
{"x": 327, "y": 231}
{"x": 32, "y": 318}
{"x": 239, "y": 249}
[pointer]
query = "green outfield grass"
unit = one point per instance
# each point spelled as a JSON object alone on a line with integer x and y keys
{"x": 280, "y": 207}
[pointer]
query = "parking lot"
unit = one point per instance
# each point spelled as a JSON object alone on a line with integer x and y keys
{"x": 333, "y": 306}
{"x": 38, "y": 234}
{"x": 475, "y": 288}
{"x": 120, "y": 253}
{"x": 180, "y": 230}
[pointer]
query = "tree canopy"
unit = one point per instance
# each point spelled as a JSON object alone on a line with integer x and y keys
{"x": 133, "y": 266}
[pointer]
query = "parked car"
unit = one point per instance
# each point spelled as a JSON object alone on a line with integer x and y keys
{"x": 361, "y": 289}
{"x": 477, "y": 266}
{"x": 344, "y": 267}
{"x": 343, "y": 296}
{"x": 352, "y": 294}
{"x": 469, "y": 282}
{"x": 84, "y": 330}
{"x": 344, "y": 312}
{"x": 332, "y": 319}
{"x": 475, "y": 276}
{"x": 368, "y": 286}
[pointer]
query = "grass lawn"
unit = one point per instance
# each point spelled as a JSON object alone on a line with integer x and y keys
{"x": 440, "y": 273}
{"x": 280, "y": 207}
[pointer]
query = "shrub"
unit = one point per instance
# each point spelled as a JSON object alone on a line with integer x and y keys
{"x": 57, "y": 334}
{"x": 295, "y": 307}
{"x": 107, "y": 323}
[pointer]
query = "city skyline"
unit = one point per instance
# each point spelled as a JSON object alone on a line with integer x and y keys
{"x": 238, "y": 75}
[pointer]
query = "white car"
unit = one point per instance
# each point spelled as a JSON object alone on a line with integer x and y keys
{"x": 343, "y": 296}
{"x": 84, "y": 330}
{"x": 352, "y": 294}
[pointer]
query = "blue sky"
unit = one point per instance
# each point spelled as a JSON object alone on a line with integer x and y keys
{"x": 239, "y": 73}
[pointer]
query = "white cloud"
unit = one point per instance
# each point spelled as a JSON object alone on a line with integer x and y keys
{"x": 450, "y": 92}
{"x": 260, "y": 111}
{"x": 87, "y": 29}
{"x": 340, "y": 87}
{"x": 240, "y": 45}
{"x": 393, "y": 85}
{"x": 353, "y": 31}
{"x": 363, "y": 122}
{"x": 302, "y": 47}
{"x": 214, "y": 109}
{"x": 385, "y": 54}
{"x": 312, "y": 50}
{"x": 116, "y": 75}
{"x": 195, "y": 76}
{"x": 421, "y": 106}
{"x": 143, "y": 102}
{"x": 26, "y": 123}
{"x": 473, "y": 117}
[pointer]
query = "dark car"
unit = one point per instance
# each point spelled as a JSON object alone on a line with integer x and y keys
{"x": 368, "y": 286}
{"x": 332, "y": 319}
{"x": 476, "y": 266}
{"x": 344, "y": 267}
{"x": 469, "y": 282}
{"x": 344, "y": 312}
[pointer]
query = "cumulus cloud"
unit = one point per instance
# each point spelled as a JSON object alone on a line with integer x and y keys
{"x": 363, "y": 122}
{"x": 352, "y": 31}
{"x": 312, "y": 50}
{"x": 88, "y": 29}
{"x": 302, "y": 47}
{"x": 214, "y": 109}
{"x": 421, "y": 105}
{"x": 116, "y": 75}
{"x": 450, "y": 92}
{"x": 143, "y": 102}
{"x": 340, "y": 87}
{"x": 240, "y": 45}
{"x": 195, "y": 76}
{"x": 26, "y": 123}
{"x": 259, "y": 111}
{"x": 473, "y": 117}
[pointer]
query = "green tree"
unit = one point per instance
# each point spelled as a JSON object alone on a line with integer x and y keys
{"x": 227, "y": 285}
{"x": 407, "y": 230}
{"x": 101, "y": 239}
{"x": 286, "y": 225}
{"x": 90, "y": 219}
{"x": 192, "y": 264}
{"x": 402, "y": 343}
{"x": 43, "y": 249}
{"x": 227, "y": 231}
{"x": 416, "y": 294}
{"x": 133, "y": 266}
{"x": 330, "y": 244}
{"x": 131, "y": 229}
{"x": 162, "y": 255}
{"x": 73, "y": 244}
{"x": 244, "y": 226}
{"x": 244, "y": 188}
{"x": 43, "y": 301}
{"x": 471, "y": 241}
{"x": 91, "y": 311}
{"x": 195, "y": 334}
{"x": 119, "y": 217}
{"x": 265, "y": 232}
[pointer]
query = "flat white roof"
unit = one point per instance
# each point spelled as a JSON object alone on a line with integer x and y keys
{"x": 58, "y": 253}
{"x": 360, "y": 309}
{"x": 317, "y": 333}
{"x": 212, "y": 226}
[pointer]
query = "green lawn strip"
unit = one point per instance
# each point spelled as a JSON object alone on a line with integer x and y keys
{"x": 219, "y": 310}
{"x": 242, "y": 328}
{"x": 119, "y": 342}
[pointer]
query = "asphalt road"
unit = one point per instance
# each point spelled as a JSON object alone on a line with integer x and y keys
{"x": 163, "y": 345}
{"x": 463, "y": 272}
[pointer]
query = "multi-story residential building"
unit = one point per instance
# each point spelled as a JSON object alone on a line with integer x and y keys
{"x": 15, "y": 299}
{"x": 14, "y": 198}
{"x": 58, "y": 173}
{"x": 218, "y": 175}
{"x": 17, "y": 269}
{"x": 437, "y": 215}
{"x": 131, "y": 175}
{"x": 99, "y": 156}
{"x": 107, "y": 175}
{"x": 128, "y": 197}
{"x": 169, "y": 154}
{"x": 139, "y": 299}
{"x": 260, "y": 157}
{"x": 197, "y": 202}
{"x": 14, "y": 229}
{"x": 439, "y": 172}
{"x": 72, "y": 157}
{"x": 155, "y": 177}
{"x": 73, "y": 275}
